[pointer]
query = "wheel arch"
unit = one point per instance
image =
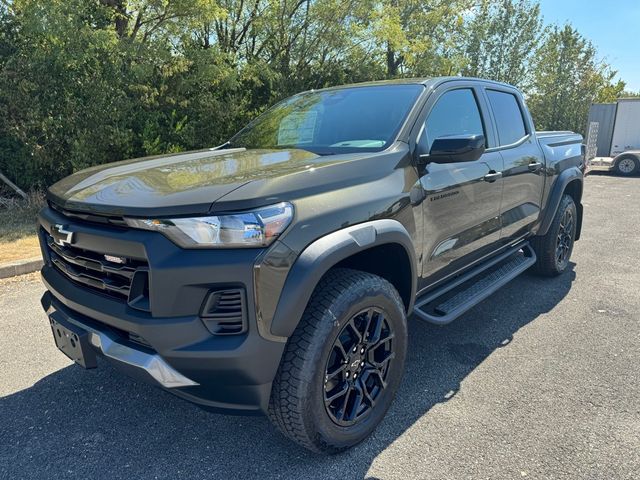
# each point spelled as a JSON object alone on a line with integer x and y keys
{"x": 570, "y": 182}
{"x": 381, "y": 247}
{"x": 574, "y": 190}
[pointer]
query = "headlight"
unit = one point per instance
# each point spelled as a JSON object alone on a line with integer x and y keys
{"x": 256, "y": 228}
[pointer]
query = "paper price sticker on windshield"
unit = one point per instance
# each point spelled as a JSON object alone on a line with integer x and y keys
{"x": 297, "y": 128}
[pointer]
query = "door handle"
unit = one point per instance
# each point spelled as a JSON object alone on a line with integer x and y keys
{"x": 535, "y": 166}
{"x": 492, "y": 176}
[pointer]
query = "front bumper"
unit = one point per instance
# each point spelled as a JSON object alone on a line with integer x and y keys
{"x": 230, "y": 373}
{"x": 142, "y": 362}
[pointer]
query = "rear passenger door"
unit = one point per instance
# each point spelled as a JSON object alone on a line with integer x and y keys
{"x": 462, "y": 199}
{"x": 523, "y": 174}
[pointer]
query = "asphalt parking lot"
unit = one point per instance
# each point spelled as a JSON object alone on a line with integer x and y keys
{"x": 542, "y": 380}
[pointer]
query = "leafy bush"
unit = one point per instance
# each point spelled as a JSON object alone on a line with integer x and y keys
{"x": 84, "y": 82}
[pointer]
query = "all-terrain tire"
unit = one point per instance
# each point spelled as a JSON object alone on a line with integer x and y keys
{"x": 553, "y": 250}
{"x": 298, "y": 398}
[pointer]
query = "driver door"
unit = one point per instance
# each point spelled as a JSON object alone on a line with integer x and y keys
{"x": 462, "y": 199}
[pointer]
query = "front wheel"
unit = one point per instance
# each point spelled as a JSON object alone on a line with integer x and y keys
{"x": 343, "y": 364}
{"x": 553, "y": 250}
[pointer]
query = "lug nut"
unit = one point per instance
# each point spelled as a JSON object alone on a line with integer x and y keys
{"x": 347, "y": 374}
{"x": 362, "y": 364}
{"x": 355, "y": 375}
{"x": 355, "y": 349}
{"x": 362, "y": 350}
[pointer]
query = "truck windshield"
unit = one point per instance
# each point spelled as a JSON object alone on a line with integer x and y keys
{"x": 351, "y": 119}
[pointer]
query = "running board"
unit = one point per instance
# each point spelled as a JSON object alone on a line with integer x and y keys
{"x": 448, "y": 302}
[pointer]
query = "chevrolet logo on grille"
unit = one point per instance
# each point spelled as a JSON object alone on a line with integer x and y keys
{"x": 61, "y": 236}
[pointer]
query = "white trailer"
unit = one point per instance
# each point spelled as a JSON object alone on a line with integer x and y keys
{"x": 613, "y": 136}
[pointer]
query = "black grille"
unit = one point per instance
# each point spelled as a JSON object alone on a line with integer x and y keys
{"x": 112, "y": 220}
{"x": 224, "y": 312}
{"x": 93, "y": 270}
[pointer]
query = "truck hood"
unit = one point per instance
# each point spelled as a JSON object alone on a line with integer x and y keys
{"x": 188, "y": 183}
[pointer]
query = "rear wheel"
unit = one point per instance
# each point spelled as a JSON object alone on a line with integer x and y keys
{"x": 627, "y": 166}
{"x": 343, "y": 364}
{"x": 554, "y": 249}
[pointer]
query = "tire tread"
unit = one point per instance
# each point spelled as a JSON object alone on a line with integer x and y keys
{"x": 288, "y": 395}
{"x": 545, "y": 245}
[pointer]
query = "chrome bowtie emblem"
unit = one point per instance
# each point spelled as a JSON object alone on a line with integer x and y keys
{"x": 61, "y": 236}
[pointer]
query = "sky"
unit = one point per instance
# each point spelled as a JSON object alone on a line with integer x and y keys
{"x": 613, "y": 26}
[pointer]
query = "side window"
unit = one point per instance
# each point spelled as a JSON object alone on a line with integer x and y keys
{"x": 455, "y": 113}
{"x": 509, "y": 120}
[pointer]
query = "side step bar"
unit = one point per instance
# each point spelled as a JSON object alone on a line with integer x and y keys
{"x": 448, "y": 302}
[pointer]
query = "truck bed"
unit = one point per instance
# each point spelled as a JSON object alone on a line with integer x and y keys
{"x": 562, "y": 145}
{"x": 551, "y": 138}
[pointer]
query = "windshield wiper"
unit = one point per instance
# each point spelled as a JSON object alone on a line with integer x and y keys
{"x": 223, "y": 146}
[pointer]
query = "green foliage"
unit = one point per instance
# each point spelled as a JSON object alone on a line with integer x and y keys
{"x": 568, "y": 78}
{"x": 502, "y": 39}
{"x": 609, "y": 92}
{"x": 419, "y": 37}
{"x": 84, "y": 82}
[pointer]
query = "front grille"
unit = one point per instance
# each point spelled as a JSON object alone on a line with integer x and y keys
{"x": 116, "y": 221}
{"x": 93, "y": 270}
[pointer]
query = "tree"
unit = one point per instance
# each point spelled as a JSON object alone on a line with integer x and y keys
{"x": 501, "y": 39}
{"x": 611, "y": 91}
{"x": 304, "y": 41}
{"x": 142, "y": 19}
{"x": 568, "y": 77}
{"x": 414, "y": 37}
{"x": 61, "y": 88}
{"x": 88, "y": 82}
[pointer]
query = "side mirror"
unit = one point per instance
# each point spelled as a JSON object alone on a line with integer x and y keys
{"x": 459, "y": 148}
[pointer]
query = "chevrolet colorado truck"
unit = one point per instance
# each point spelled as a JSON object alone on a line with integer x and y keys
{"x": 275, "y": 273}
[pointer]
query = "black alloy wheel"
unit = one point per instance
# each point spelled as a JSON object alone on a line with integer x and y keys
{"x": 564, "y": 243}
{"x": 343, "y": 364}
{"x": 357, "y": 368}
{"x": 554, "y": 248}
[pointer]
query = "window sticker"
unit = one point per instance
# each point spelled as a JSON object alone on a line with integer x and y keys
{"x": 298, "y": 128}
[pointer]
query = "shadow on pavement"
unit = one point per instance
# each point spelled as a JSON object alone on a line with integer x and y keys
{"x": 98, "y": 424}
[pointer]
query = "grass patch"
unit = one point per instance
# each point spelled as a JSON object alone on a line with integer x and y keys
{"x": 18, "y": 218}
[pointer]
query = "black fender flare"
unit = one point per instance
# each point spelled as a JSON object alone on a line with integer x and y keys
{"x": 324, "y": 253}
{"x": 553, "y": 201}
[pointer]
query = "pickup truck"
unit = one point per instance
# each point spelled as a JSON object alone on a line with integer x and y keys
{"x": 275, "y": 274}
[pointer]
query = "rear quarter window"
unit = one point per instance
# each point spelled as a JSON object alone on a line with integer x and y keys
{"x": 508, "y": 114}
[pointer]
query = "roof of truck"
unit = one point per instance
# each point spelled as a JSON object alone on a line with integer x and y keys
{"x": 427, "y": 81}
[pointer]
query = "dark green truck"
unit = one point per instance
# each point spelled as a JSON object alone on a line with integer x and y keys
{"x": 275, "y": 274}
